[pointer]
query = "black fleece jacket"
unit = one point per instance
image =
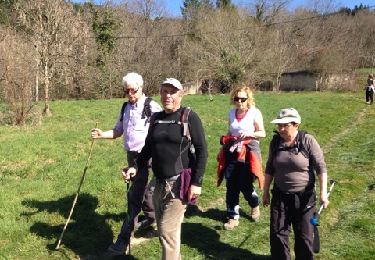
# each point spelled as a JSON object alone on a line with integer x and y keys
{"x": 163, "y": 144}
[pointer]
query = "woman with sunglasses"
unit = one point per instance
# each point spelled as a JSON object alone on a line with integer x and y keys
{"x": 240, "y": 155}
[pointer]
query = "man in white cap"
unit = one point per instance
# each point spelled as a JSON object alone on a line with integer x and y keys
{"x": 168, "y": 148}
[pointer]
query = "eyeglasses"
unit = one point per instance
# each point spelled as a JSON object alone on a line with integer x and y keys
{"x": 239, "y": 99}
{"x": 133, "y": 91}
{"x": 284, "y": 125}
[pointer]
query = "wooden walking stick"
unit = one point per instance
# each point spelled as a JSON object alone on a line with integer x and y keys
{"x": 76, "y": 196}
{"x": 128, "y": 216}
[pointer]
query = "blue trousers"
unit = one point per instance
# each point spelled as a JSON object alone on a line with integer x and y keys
{"x": 239, "y": 179}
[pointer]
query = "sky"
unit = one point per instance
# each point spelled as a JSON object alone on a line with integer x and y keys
{"x": 173, "y": 6}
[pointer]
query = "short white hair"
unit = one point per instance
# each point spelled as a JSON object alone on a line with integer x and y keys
{"x": 133, "y": 78}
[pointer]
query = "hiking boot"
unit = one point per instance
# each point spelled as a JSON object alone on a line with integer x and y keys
{"x": 255, "y": 214}
{"x": 117, "y": 249}
{"x": 145, "y": 224}
{"x": 231, "y": 224}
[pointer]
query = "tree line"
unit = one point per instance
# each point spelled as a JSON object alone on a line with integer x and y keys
{"x": 57, "y": 49}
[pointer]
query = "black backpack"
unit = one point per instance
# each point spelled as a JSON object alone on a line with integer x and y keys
{"x": 146, "y": 112}
{"x": 276, "y": 140}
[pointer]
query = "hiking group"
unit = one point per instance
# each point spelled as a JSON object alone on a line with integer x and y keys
{"x": 171, "y": 141}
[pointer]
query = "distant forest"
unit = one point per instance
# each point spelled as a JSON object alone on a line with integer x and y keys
{"x": 56, "y": 49}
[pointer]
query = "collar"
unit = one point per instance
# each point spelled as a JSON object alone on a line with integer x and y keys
{"x": 140, "y": 101}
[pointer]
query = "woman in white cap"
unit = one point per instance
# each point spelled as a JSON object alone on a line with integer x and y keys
{"x": 293, "y": 157}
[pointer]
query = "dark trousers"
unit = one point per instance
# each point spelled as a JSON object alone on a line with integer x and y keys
{"x": 295, "y": 210}
{"x": 239, "y": 179}
{"x": 369, "y": 96}
{"x": 139, "y": 197}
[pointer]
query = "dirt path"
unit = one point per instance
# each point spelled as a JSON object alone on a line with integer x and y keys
{"x": 359, "y": 117}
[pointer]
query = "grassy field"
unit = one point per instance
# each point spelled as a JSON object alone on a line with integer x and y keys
{"x": 40, "y": 169}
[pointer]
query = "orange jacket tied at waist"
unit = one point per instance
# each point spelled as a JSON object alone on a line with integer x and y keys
{"x": 252, "y": 153}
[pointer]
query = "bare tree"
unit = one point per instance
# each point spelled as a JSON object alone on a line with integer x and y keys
{"x": 73, "y": 73}
{"x": 322, "y": 6}
{"x": 147, "y": 46}
{"x": 225, "y": 44}
{"x": 149, "y": 9}
{"x": 46, "y": 23}
{"x": 17, "y": 71}
{"x": 265, "y": 11}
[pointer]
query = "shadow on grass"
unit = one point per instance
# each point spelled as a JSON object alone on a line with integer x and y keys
{"x": 212, "y": 213}
{"x": 207, "y": 242}
{"x": 87, "y": 235}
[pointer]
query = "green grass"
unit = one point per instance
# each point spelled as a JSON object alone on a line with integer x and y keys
{"x": 40, "y": 169}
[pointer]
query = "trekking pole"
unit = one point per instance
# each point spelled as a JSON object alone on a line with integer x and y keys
{"x": 315, "y": 222}
{"x": 76, "y": 196}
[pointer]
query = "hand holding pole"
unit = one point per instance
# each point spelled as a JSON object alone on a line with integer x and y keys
{"x": 314, "y": 221}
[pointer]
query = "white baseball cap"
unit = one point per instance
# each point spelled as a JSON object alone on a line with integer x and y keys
{"x": 174, "y": 82}
{"x": 287, "y": 115}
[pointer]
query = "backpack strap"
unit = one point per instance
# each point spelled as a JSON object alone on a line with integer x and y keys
{"x": 147, "y": 109}
{"x": 186, "y": 130}
{"x": 185, "y": 122}
{"x": 300, "y": 141}
{"x": 275, "y": 143}
{"x": 122, "y": 111}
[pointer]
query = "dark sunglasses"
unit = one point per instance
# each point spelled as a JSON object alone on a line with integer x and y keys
{"x": 133, "y": 91}
{"x": 239, "y": 99}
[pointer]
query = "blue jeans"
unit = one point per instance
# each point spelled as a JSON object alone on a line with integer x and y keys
{"x": 239, "y": 179}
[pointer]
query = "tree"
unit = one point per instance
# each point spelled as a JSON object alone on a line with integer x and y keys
{"x": 104, "y": 26}
{"x": 149, "y": 9}
{"x": 5, "y": 11}
{"x": 73, "y": 75}
{"x": 17, "y": 73}
{"x": 265, "y": 11}
{"x": 224, "y": 4}
{"x": 46, "y": 24}
{"x": 191, "y": 7}
{"x": 151, "y": 49}
{"x": 222, "y": 48}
